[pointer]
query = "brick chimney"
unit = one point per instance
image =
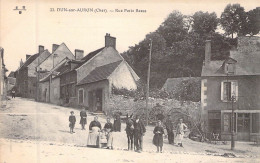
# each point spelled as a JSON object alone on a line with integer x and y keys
{"x": 79, "y": 54}
{"x": 207, "y": 52}
{"x": 27, "y": 56}
{"x": 110, "y": 41}
{"x": 54, "y": 47}
{"x": 41, "y": 49}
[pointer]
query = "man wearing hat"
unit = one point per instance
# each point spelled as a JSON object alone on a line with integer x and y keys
{"x": 169, "y": 128}
{"x": 72, "y": 120}
{"x": 139, "y": 130}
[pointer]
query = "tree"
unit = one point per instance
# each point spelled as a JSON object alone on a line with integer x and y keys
{"x": 232, "y": 19}
{"x": 252, "y": 27}
{"x": 204, "y": 23}
{"x": 174, "y": 28}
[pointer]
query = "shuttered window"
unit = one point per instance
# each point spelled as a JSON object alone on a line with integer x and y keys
{"x": 229, "y": 89}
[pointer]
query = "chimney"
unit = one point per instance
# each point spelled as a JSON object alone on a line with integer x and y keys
{"x": 79, "y": 54}
{"x": 207, "y": 52}
{"x": 110, "y": 41}
{"x": 54, "y": 47}
{"x": 41, "y": 49}
{"x": 21, "y": 63}
{"x": 27, "y": 56}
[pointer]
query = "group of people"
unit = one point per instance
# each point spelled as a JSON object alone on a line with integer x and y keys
{"x": 135, "y": 130}
{"x": 159, "y": 132}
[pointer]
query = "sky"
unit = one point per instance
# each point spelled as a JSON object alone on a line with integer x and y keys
{"x": 21, "y": 34}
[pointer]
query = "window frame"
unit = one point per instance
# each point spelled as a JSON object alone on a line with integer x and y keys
{"x": 81, "y": 89}
{"x": 234, "y": 90}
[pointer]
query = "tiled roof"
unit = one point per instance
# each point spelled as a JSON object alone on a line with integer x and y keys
{"x": 100, "y": 73}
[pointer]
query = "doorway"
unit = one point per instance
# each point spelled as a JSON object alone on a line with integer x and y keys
{"x": 243, "y": 126}
{"x": 95, "y": 100}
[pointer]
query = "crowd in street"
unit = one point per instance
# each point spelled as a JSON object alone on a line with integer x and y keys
{"x": 99, "y": 137}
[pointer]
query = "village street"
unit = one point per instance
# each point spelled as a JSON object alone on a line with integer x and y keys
{"x": 39, "y": 132}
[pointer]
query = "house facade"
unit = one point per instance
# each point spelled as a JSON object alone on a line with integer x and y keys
{"x": 26, "y": 76}
{"x": 103, "y": 69}
{"x": 49, "y": 85}
{"x": 233, "y": 83}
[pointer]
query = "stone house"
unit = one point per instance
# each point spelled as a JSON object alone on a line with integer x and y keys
{"x": 26, "y": 76}
{"x": 59, "y": 53}
{"x": 239, "y": 77}
{"x": 49, "y": 85}
{"x": 102, "y": 70}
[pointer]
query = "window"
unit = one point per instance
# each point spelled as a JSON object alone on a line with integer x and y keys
{"x": 229, "y": 89}
{"x": 230, "y": 68}
{"x": 243, "y": 122}
{"x": 227, "y": 122}
{"x": 81, "y": 96}
{"x": 214, "y": 118}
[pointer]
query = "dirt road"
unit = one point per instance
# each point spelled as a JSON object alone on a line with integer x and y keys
{"x": 26, "y": 120}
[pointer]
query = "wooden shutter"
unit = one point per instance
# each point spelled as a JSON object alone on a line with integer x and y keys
{"x": 222, "y": 91}
{"x": 234, "y": 89}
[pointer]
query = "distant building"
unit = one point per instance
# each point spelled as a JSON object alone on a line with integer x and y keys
{"x": 11, "y": 80}
{"x": 26, "y": 76}
{"x": 239, "y": 77}
{"x": 3, "y": 79}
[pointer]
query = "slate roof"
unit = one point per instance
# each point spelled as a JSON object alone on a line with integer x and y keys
{"x": 29, "y": 61}
{"x": 100, "y": 73}
{"x": 11, "y": 74}
{"x": 246, "y": 62}
{"x": 89, "y": 56}
{"x": 83, "y": 60}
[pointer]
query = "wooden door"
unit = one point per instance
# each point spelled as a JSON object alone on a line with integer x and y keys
{"x": 243, "y": 126}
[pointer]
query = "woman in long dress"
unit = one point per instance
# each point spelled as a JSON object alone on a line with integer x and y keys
{"x": 158, "y": 136}
{"x": 94, "y": 128}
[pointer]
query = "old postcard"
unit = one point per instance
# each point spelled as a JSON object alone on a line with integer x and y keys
{"x": 129, "y": 81}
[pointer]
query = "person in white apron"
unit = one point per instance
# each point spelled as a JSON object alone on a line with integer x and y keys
{"x": 93, "y": 137}
{"x": 181, "y": 127}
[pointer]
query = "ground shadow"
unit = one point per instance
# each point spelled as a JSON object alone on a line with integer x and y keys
{"x": 66, "y": 131}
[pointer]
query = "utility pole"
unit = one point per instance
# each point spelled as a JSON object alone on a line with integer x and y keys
{"x": 233, "y": 126}
{"x": 148, "y": 81}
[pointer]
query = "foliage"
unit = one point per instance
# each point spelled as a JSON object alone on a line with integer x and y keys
{"x": 252, "y": 27}
{"x": 232, "y": 19}
{"x": 174, "y": 28}
{"x": 204, "y": 23}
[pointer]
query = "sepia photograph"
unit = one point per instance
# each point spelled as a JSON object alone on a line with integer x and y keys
{"x": 140, "y": 81}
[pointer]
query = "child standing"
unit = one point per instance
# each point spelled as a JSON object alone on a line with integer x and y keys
{"x": 158, "y": 136}
{"x": 72, "y": 120}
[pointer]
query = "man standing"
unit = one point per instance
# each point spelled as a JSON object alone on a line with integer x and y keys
{"x": 139, "y": 130}
{"x": 72, "y": 120}
{"x": 181, "y": 127}
{"x": 83, "y": 118}
{"x": 13, "y": 93}
{"x": 109, "y": 128}
{"x": 169, "y": 128}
